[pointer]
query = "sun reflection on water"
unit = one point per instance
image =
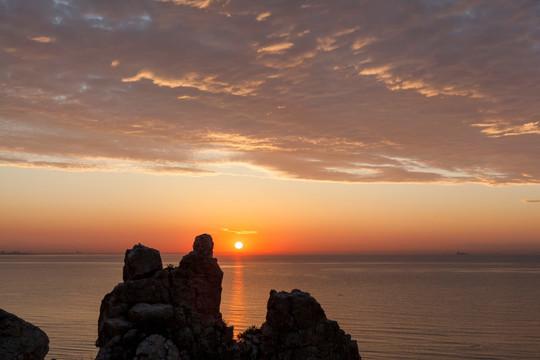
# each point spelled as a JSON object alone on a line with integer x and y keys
{"x": 237, "y": 310}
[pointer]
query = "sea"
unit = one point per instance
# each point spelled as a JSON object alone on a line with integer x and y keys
{"x": 396, "y": 307}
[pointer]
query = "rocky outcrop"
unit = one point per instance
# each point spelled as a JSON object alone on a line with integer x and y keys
{"x": 170, "y": 313}
{"x": 20, "y": 340}
{"x": 173, "y": 314}
{"x": 296, "y": 327}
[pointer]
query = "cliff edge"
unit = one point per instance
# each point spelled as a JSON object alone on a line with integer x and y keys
{"x": 173, "y": 314}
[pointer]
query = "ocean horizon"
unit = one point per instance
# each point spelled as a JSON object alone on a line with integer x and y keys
{"x": 395, "y": 306}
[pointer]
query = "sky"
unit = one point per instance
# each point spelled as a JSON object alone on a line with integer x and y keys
{"x": 293, "y": 126}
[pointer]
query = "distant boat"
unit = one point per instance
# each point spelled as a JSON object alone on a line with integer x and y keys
{"x": 461, "y": 253}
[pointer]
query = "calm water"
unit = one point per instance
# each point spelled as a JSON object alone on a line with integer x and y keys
{"x": 443, "y": 307}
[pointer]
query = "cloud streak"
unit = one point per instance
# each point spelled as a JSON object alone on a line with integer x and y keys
{"x": 197, "y": 81}
{"x": 431, "y": 92}
{"x": 239, "y": 232}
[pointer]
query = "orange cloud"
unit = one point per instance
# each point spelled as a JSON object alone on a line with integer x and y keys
{"x": 239, "y": 232}
{"x": 201, "y": 4}
{"x": 200, "y": 82}
{"x": 497, "y": 129}
{"x": 263, "y": 16}
{"x": 41, "y": 39}
{"x": 275, "y": 48}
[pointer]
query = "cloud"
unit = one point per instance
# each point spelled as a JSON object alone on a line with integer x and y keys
{"x": 326, "y": 44}
{"x": 176, "y": 170}
{"x": 362, "y": 42}
{"x": 201, "y": 4}
{"x": 41, "y": 39}
{"x": 200, "y": 82}
{"x": 263, "y": 16}
{"x": 531, "y": 201}
{"x": 241, "y": 142}
{"x": 68, "y": 165}
{"x": 186, "y": 97}
{"x": 432, "y": 92}
{"x": 276, "y": 48}
{"x": 395, "y": 82}
{"x": 240, "y": 232}
{"x": 494, "y": 129}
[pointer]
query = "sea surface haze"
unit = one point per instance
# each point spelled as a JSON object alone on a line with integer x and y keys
{"x": 396, "y": 307}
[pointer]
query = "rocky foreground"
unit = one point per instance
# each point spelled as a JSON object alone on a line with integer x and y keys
{"x": 20, "y": 340}
{"x": 173, "y": 314}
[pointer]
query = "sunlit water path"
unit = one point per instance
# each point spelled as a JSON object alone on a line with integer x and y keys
{"x": 427, "y": 307}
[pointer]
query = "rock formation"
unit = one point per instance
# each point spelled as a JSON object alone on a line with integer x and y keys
{"x": 296, "y": 327}
{"x": 175, "y": 307}
{"x": 20, "y": 340}
{"x": 173, "y": 314}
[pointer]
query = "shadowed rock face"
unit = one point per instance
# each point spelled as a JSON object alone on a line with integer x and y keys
{"x": 296, "y": 327}
{"x": 173, "y": 314}
{"x": 20, "y": 340}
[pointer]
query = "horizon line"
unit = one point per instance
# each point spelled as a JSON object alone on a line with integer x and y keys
{"x": 244, "y": 254}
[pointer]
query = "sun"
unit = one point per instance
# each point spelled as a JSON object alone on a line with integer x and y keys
{"x": 238, "y": 245}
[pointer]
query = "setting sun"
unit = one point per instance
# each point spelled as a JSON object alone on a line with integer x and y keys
{"x": 238, "y": 245}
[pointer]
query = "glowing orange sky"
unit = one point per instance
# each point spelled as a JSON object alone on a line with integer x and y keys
{"x": 295, "y": 127}
{"x": 50, "y": 210}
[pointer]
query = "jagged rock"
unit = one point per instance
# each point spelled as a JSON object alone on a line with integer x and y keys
{"x": 173, "y": 313}
{"x": 156, "y": 347}
{"x": 141, "y": 262}
{"x": 20, "y": 340}
{"x": 296, "y": 327}
{"x": 199, "y": 278}
{"x": 179, "y": 304}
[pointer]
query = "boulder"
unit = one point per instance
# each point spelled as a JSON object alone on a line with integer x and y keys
{"x": 203, "y": 246}
{"x": 296, "y": 327}
{"x": 20, "y": 340}
{"x": 141, "y": 262}
{"x": 151, "y": 314}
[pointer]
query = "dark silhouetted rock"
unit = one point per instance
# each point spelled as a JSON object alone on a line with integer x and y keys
{"x": 203, "y": 246}
{"x": 173, "y": 314}
{"x": 198, "y": 280}
{"x": 156, "y": 347}
{"x": 179, "y": 305}
{"x": 141, "y": 262}
{"x": 149, "y": 315}
{"x": 20, "y": 340}
{"x": 296, "y": 327}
